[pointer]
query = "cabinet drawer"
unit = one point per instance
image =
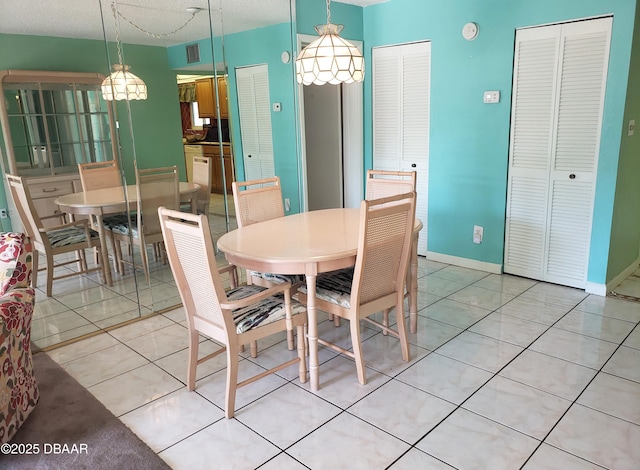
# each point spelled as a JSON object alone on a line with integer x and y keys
{"x": 50, "y": 189}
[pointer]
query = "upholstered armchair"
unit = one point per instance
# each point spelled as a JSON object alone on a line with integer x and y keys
{"x": 18, "y": 387}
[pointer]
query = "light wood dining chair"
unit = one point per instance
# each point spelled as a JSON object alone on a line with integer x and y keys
{"x": 55, "y": 240}
{"x": 100, "y": 175}
{"x": 256, "y": 201}
{"x": 156, "y": 187}
{"x": 384, "y": 183}
{"x": 377, "y": 282}
{"x": 202, "y": 176}
{"x": 235, "y": 317}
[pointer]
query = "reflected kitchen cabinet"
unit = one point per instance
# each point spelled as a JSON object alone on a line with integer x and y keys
{"x": 217, "y": 182}
{"x": 207, "y": 100}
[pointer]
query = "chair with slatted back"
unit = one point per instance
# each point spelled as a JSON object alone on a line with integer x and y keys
{"x": 377, "y": 282}
{"x": 156, "y": 187}
{"x": 232, "y": 318}
{"x": 384, "y": 183}
{"x": 100, "y": 175}
{"x": 52, "y": 241}
{"x": 256, "y": 201}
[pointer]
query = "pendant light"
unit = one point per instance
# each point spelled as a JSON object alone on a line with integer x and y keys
{"x": 329, "y": 59}
{"x": 122, "y": 84}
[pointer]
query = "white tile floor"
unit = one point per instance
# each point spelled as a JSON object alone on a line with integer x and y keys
{"x": 505, "y": 373}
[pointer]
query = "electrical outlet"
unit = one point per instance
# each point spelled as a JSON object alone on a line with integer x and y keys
{"x": 3, "y": 213}
{"x": 287, "y": 205}
{"x": 478, "y": 232}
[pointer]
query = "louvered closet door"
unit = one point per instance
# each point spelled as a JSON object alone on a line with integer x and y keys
{"x": 401, "y": 91}
{"x": 559, "y": 82}
{"x": 255, "y": 121}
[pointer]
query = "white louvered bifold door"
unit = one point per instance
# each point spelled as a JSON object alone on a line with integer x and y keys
{"x": 401, "y": 98}
{"x": 558, "y": 90}
{"x": 255, "y": 121}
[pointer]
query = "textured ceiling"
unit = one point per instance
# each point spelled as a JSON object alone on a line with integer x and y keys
{"x": 93, "y": 19}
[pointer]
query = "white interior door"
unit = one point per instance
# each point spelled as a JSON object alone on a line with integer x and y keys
{"x": 559, "y": 83}
{"x": 254, "y": 107}
{"x": 401, "y": 99}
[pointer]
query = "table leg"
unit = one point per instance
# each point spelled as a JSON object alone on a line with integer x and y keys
{"x": 413, "y": 293}
{"x": 104, "y": 251}
{"x": 312, "y": 333}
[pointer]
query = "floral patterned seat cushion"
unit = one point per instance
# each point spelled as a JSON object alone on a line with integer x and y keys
{"x": 334, "y": 287}
{"x": 18, "y": 387}
{"x": 261, "y": 313}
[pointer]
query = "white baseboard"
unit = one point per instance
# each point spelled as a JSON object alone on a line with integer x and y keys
{"x": 615, "y": 282}
{"x": 596, "y": 289}
{"x": 465, "y": 262}
{"x": 590, "y": 288}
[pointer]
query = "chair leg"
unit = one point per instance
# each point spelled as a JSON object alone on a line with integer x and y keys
{"x": 254, "y": 345}
{"x": 287, "y": 306}
{"x": 193, "y": 359}
{"x": 385, "y": 320}
{"x": 357, "y": 350}
{"x": 34, "y": 264}
{"x": 232, "y": 381}
{"x": 402, "y": 329}
{"x": 145, "y": 260}
{"x": 302, "y": 367}
{"x": 49, "y": 274}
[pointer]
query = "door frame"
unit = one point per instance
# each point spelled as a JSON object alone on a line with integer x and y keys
{"x": 352, "y": 138}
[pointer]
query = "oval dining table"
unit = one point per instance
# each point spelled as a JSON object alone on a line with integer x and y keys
{"x": 99, "y": 202}
{"x": 308, "y": 243}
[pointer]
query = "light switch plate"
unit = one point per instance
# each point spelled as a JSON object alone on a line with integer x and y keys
{"x": 632, "y": 127}
{"x": 492, "y": 96}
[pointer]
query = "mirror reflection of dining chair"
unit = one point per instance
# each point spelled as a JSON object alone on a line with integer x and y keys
{"x": 62, "y": 239}
{"x": 384, "y": 183}
{"x": 156, "y": 187}
{"x": 202, "y": 167}
{"x": 100, "y": 175}
{"x": 256, "y": 201}
{"x": 377, "y": 282}
{"x": 238, "y": 316}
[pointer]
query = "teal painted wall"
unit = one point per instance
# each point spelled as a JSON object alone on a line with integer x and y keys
{"x": 265, "y": 46}
{"x": 470, "y": 140}
{"x": 155, "y": 121}
{"x": 625, "y": 230}
{"x": 177, "y": 55}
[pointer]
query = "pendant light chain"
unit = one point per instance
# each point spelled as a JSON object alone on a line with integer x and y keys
{"x": 328, "y": 12}
{"x": 115, "y": 24}
{"x": 157, "y": 35}
{"x": 122, "y": 84}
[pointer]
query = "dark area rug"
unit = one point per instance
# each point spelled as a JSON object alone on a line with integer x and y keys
{"x": 68, "y": 414}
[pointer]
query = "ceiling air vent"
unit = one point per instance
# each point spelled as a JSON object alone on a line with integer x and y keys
{"x": 193, "y": 53}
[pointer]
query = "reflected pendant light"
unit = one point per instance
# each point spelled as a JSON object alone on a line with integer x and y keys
{"x": 122, "y": 84}
{"x": 329, "y": 59}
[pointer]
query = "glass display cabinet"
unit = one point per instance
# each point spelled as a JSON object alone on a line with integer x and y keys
{"x": 52, "y": 121}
